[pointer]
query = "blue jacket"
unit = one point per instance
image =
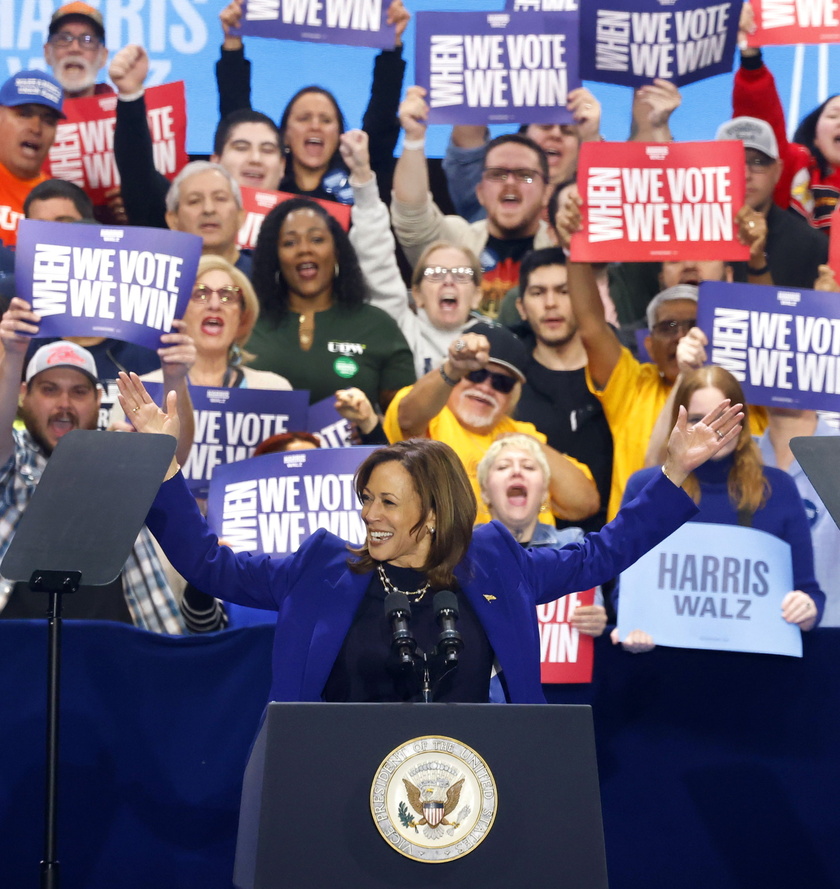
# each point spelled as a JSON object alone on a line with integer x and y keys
{"x": 316, "y": 596}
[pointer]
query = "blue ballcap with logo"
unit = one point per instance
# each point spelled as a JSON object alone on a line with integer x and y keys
{"x": 32, "y": 88}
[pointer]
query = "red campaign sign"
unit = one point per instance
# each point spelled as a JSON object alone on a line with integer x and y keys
{"x": 834, "y": 243}
{"x": 660, "y": 201}
{"x": 257, "y": 204}
{"x": 788, "y": 22}
{"x": 83, "y": 151}
{"x": 565, "y": 654}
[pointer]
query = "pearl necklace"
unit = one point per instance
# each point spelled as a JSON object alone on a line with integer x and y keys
{"x": 390, "y": 588}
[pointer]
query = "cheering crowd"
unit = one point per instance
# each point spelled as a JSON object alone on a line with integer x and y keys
{"x": 555, "y": 382}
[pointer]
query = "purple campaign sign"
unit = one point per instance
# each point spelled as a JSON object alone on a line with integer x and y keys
{"x": 630, "y": 42}
{"x": 782, "y": 344}
{"x": 326, "y": 421}
{"x": 230, "y": 423}
{"x": 348, "y": 22}
{"x": 94, "y": 280}
{"x": 713, "y": 587}
{"x": 271, "y": 504}
{"x": 499, "y": 67}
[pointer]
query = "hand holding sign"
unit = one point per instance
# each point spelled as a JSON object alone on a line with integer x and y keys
{"x": 800, "y": 609}
{"x": 752, "y": 231}
{"x": 18, "y": 325}
{"x": 398, "y": 16}
{"x": 691, "y": 350}
{"x": 589, "y": 619}
{"x": 177, "y": 354}
{"x": 826, "y": 281}
{"x": 569, "y": 218}
{"x": 653, "y": 105}
{"x": 231, "y": 19}
{"x": 636, "y": 641}
{"x": 586, "y": 111}
{"x": 129, "y": 69}
{"x": 414, "y": 113}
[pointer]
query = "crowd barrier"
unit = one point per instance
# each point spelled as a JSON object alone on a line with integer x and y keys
{"x": 716, "y": 769}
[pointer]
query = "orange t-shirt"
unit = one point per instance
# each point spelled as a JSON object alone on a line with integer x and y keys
{"x": 13, "y": 192}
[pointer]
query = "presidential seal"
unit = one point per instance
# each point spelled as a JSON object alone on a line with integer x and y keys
{"x": 433, "y": 799}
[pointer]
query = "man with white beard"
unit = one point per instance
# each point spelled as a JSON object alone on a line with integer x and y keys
{"x": 469, "y": 401}
{"x": 75, "y": 50}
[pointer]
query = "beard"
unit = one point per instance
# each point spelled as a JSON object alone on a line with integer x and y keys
{"x": 75, "y": 81}
{"x": 475, "y": 418}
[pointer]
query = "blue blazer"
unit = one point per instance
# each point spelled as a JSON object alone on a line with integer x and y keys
{"x": 316, "y": 596}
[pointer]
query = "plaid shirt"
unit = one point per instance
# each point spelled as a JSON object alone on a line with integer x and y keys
{"x": 150, "y": 600}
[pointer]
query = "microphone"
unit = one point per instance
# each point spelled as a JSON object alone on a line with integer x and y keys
{"x": 398, "y": 612}
{"x": 450, "y": 641}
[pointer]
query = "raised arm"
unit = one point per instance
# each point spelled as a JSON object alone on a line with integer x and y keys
{"x": 653, "y": 105}
{"x": 17, "y": 327}
{"x": 411, "y": 175}
{"x": 143, "y": 187}
{"x": 233, "y": 70}
{"x": 603, "y": 349}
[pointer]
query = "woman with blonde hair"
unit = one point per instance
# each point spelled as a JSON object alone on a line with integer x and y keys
{"x": 735, "y": 488}
{"x": 220, "y": 316}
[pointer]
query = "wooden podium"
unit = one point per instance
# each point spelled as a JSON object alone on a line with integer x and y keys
{"x": 307, "y": 818}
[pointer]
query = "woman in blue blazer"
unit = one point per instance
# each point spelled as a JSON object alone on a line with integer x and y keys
{"x": 332, "y": 638}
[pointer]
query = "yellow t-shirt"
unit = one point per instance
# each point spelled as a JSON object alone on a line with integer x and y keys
{"x": 632, "y": 400}
{"x": 469, "y": 446}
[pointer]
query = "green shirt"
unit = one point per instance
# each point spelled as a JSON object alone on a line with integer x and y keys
{"x": 360, "y": 347}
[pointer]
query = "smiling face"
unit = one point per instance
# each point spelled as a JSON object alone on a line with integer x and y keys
{"x": 478, "y": 406}
{"x": 700, "y": 403}
{"x": 27, "y": 133}
{"x": 252, "y": 156}
{"x": 213, "y": 324}
{"x": 391, "y": 509}
{"x": 306, "y": 252}
{"x": 312, "y": 132}
{"x": 827, "y": 132}
{"x": 55, "y": 402}
{"x": 560, "y": 143}
{"x": 515, "y": 489}
{"x": 74, "y": 67}
{"x": 447, "y": 303}
{"x": 207, "y": 208}
{"x": 547, "y": 306}
{"x": 513, "y": 208}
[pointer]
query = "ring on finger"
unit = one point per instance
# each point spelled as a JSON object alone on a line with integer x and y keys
{"x": 460, "y": 345}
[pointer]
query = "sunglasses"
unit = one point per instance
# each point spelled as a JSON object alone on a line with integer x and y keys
{"x": 228, "y": 294}
{"x": 461, "y": 275}
{"x": 66, "y": 39}
{"x": 500, "y": 382}
{"x": 501, "y": 174}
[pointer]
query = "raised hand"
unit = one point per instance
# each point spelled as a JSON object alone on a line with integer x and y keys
{"x": 129, "y": 69}
{"x": 691, "y": 446}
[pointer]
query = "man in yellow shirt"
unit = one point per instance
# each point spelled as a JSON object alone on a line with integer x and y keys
{"x": 468, "y": 402}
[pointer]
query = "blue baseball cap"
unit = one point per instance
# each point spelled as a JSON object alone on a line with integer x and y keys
{"x": 32, "y": 88}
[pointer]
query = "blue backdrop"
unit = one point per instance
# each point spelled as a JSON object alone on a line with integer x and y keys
{"x": 183, "y": 39}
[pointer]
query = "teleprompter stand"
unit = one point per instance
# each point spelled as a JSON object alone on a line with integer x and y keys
{"x": 306, "y": 818}
{"x": 81, "y": 524}
{"x": 819, "y": 457}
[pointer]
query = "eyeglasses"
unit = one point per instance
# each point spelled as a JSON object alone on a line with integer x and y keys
{"x": 65, "y": 40}
{"x": 501, "y": 174}
{"x": 228, "y": 294}
{"x": 670, "y": 329}
{"x": 760, "y": 162}
{"x": 500, "y": 382}
{"x": 462, "y": 274}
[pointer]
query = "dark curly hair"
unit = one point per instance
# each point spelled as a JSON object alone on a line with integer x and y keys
{"x": 349, "y": 288}
{"x": 806, "y": 132}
